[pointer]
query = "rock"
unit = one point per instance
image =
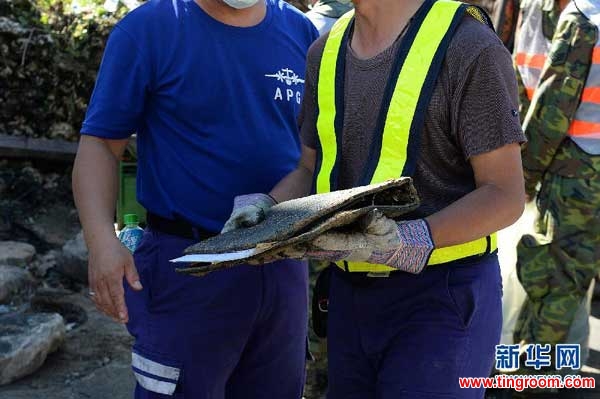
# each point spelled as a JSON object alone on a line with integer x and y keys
{"x": 13, "y": 280}
{"x": 4, "y": 309}
{"x": 63, "y": 302}
{"x": 40, "y": 266}
{"x": 74, "y": 259}
{"x": 25, "y": 342}
{"x": 9, "y": 26}
{"x": 112, "y": 381}
{"x": 62, "y": 130}
{"x": 3, "y": 186}
{"x": 37, "y": 204}
{"x": 52, "y": 224}
{"x": 16, "y": 253}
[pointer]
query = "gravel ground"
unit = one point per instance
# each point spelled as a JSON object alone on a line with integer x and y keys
{"x": 94, "y": 361}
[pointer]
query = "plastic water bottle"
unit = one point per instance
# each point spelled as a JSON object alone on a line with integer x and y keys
{"x": 132, "y": 233}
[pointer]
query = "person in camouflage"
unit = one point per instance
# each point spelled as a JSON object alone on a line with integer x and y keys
{"x": 550, "y": 11}
{"x": 557, "y": 263}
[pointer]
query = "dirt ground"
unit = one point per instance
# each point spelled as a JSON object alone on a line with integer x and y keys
{"x": 94, "y": 361}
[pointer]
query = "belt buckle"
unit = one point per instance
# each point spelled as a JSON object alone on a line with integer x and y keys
{"x": 378, "y": 274}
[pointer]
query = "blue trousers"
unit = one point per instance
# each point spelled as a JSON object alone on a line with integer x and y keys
{"x": 412, "y": 336}
{"x": 237, "y": 333}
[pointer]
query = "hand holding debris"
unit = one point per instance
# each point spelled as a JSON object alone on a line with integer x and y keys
{"x": 290, "y": 228}
{"x": 404, "y": 245}
{"x": 248, "y": 210}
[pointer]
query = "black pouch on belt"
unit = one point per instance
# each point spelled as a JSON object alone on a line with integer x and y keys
{"x": 320, "y": 302}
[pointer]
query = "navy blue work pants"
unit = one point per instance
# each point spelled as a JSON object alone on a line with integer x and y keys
{"x": 233, "y": 334}
{"x": 412, "y": 336}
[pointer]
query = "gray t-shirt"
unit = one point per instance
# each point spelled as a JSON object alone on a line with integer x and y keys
{"x": 473, "y": 110}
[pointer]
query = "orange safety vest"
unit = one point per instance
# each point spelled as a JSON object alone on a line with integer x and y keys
{"x": 585, "y": 127}
{"x": 532, "y": 46}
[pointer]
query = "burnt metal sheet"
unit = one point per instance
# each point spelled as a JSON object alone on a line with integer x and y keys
{"x": 301, "y": 220}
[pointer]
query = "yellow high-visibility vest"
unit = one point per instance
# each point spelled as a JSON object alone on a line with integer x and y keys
{"x": 405, "y": 103}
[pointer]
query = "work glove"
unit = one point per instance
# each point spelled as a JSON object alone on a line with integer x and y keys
{"x": 404, "y": 245}
{"x": 248, "y": 210}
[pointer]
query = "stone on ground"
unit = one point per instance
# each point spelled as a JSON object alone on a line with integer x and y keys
{"x": 13, "y": 280}
{"x": 25, "y": 342}
{"x": 74, "y": 259}
{"x": 16, "y": 253}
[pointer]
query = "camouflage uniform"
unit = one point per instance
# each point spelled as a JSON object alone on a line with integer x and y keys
{"x": 550, "y": 15}
{"x": 557, "y": 264}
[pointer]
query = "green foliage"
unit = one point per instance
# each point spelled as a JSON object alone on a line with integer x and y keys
{"x": 50, "y": 51}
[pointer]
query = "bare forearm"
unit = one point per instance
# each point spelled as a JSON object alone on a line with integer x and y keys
{"x": 295, "y": 185}
{"x": 95, "y": 185}
{"x": 496, "y": 203}
{"x": 478, "y": 214}
{"x": 298, "y": 182}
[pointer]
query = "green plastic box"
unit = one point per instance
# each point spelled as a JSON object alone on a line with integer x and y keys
{"x": 127, "y": 202}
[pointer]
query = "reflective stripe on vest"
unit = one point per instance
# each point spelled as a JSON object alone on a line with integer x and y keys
{"x": 404, "y": 106}
{"x": 585, "y": 128}
{"x": 532, "y": 46}
{"x": 439, "y": 256}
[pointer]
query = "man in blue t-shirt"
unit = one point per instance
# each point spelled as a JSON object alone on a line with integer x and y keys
{"x": 213, "y": 90}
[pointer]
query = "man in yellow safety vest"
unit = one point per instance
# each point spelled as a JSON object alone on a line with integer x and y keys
{"x": 425, "y": 89}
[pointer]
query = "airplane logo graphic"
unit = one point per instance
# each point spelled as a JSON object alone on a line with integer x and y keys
{"x": 286, "y": 76}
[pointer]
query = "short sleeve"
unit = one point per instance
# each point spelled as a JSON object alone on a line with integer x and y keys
{"x": 117, "y": 103}
{"x": 486, "y": 104}
{"x": 309, "y": 111}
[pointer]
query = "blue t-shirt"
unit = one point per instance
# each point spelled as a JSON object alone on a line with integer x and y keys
{"x": 214, "y": 106}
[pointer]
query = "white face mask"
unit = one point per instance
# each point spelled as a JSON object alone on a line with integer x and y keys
{"x": 239, "y": 4}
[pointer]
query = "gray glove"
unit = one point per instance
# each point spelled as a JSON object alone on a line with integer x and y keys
{"x": 248, "y": 210}
{"x": 404, "y": 245}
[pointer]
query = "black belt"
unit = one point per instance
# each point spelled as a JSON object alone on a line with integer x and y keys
{"x": 178, "y": 227}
